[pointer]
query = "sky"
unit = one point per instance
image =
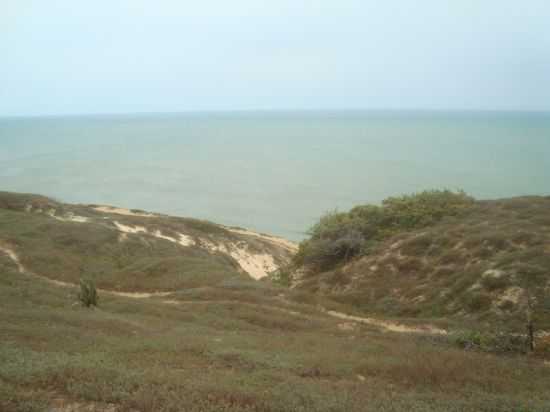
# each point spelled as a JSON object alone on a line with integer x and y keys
{"x": 62, "y": 57}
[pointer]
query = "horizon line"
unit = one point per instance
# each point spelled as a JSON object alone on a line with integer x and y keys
{"x": 275, "y": 111}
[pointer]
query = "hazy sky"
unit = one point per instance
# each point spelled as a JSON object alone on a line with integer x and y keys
{"x": 102, "y": 56}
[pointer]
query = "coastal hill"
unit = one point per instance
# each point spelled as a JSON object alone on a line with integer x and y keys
{"x": 182, "y": 324}
{"x": 437, "y": 254}
{"x": 132, "y": 250}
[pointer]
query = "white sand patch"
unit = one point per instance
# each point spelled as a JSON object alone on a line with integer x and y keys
{"x": 121, "y": 211}
{"x": 493, "y": 273}
{"x": 130, "y": 229}
{"x": 279, "y": 241}
{"x": 158, "y": 233}
{"x": 13, "y": 256}
{"x": 257, "y": 265}
{"x": 186, "y": 240}
{"x": 69, "y": 217}
{"x": 78, "y": 219}
{"x": 183, "y": 240}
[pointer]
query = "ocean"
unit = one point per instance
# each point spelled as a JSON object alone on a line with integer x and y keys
{"x": 273, "y": 172}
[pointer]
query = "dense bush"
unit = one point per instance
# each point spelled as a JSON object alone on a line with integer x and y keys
{"x": 490, "y": 342}
{"x": 339, "y": 236}
{"x": 88, "y": 293}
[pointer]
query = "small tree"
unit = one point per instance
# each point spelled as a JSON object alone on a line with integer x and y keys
{"x": 88, "y": 293}
{"x": 532, "y": 282}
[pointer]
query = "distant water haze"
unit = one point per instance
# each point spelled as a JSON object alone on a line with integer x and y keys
{"x": 273, "y": 172}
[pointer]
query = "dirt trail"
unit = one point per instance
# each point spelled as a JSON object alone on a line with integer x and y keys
{"x": 386, "y": 325}
{"x": 135, "y": 295}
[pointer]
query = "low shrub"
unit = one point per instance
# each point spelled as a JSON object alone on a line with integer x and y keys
{"x": 283, "y": 276}
{"x": 477, "y": 301}
{"x": 492, "y": 283}
{"x": 339, "y": 236}
{"x": 88, "y": 293}
{"x": 490, "y": 342}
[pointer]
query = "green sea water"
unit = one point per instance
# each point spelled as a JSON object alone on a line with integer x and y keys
{"x": 273, "y": 172}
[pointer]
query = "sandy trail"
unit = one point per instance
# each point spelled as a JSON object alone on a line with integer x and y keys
{"x": 184, "y": 240}
{"x": 385, "y": 325}
{"x": 135, "y": 295}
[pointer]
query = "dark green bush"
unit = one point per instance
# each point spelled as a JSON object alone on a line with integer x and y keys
{"x": 324, "y": 253}
{"x": 339, "y": 236}
{"x": 283, "y": 276}
{"x": 88, "y": 293}
{"x": 490, "y": 342}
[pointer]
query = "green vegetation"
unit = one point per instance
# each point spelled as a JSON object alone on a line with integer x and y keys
{"x": 437, "y": 255}
{"x": 339, "y": 236}
{"x": 88, "y": 293}
{"x": 234, "y": 348}
{"x": 492, "y": 342}
{"x": 216, "y": 340}
{"x": 40, "y": 232}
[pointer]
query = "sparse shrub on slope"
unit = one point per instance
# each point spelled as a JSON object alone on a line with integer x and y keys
{"x": 88, "y": 293}
{"x": 426, "y": 208}
{"x": 486, "y": 262}
{"x": 339, "y": 236}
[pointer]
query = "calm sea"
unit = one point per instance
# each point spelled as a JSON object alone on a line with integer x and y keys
{"x": 272, "y": 172}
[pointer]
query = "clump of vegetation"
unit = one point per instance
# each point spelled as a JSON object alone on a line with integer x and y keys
{"x": 282, "y": 276}
{"x": 339, "y": 236}
{"x": 88, "y": 293}
{"x": 22, "y": 201}
{"x": 492, "y": 342}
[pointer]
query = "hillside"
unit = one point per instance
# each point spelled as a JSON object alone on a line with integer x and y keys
{"x": 476, "y": 263}
{"x": 181, "y": 326}
{"x": 131, "y": 250}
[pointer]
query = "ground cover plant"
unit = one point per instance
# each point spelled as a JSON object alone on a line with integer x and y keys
{"x": 177, "y": 330}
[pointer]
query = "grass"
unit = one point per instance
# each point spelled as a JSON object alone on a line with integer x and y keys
{"x": 440, "y": 269}
{"x": 150, "y": 356}
{"x": 222, "y": 342}
{"x": 68, "y": 251}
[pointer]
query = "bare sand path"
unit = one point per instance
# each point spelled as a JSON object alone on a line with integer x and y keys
{"x": 388, "y": 325}
{"x": 383, "y": 324}
{"x": 136, "y": 295}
